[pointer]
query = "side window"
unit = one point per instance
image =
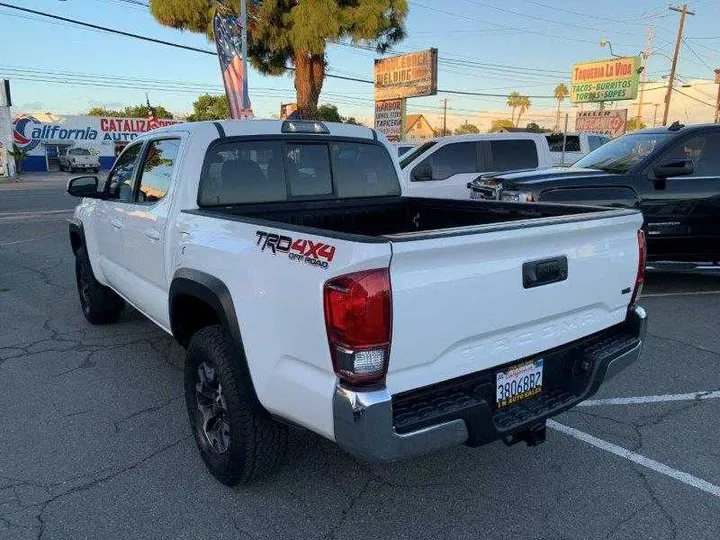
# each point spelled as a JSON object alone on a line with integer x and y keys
{"x": 157, "y": 170}
{"x": 513, "y": 154}
{"x": 451, "y": 159}
{"x": 702, "y": 149}
{"x": 119, "y": 184}
{"x": 363, "y": 170}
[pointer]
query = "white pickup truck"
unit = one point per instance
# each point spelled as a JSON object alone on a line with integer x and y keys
{"x": 442, "y": 168}
{"x": 76, "y": 159}
{"x": 309, "y": 291}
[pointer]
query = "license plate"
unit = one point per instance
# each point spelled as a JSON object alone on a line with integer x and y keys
{"x": 518, "y": 382}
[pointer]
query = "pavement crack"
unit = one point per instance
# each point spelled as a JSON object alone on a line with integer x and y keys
{"x": 348, "y": 508}
{"x": 685, "y": 343}
{"x": 147, "y": 410}
{"x": 658, "y": 503}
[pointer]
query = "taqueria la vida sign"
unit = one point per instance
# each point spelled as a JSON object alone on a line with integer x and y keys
{"x": 613, "y": 79}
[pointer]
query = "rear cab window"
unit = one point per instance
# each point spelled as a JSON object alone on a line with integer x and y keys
{"x": 245, "y": 171}
{"x": 555, "y": 142}
{"x": 509, "y": 154}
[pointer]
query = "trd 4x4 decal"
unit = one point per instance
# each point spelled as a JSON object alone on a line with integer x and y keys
{"x": 301, "y": 250}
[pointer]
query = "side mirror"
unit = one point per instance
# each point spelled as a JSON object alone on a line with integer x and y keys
{"x": 84, "y": 186}
{"x": 422, "y": 173}
{"x": 674, "y": 167}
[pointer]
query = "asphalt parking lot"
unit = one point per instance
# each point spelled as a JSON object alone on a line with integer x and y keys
{"x": 94, "y": 441}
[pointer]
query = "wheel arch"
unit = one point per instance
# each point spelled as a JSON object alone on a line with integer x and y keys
{"x": 77, "y": 235}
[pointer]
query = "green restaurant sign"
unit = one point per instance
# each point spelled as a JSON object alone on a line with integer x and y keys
{"x": 605, "y": 80}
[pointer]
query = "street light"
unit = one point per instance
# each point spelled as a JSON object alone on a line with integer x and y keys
{"x": 606, "y": 42}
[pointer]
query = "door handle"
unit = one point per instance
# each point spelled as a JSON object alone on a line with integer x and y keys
{"x": 152, "y": 234}
{"x": 116, "y": 223}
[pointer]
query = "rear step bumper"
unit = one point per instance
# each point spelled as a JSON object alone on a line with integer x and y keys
{"x": 374, "y": 425}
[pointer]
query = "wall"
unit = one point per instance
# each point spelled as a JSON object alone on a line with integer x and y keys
{"x": 36, "y": 131}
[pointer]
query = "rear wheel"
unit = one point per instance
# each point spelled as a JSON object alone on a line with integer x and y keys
{"x": 237, "y": 439}
{"x": 100, "y": 304}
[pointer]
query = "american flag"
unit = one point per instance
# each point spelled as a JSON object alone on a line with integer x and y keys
{"x": 229, "y": 46}
{"x": 152, "y": 118}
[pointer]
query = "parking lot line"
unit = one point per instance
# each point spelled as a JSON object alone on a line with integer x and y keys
{"x": 694, "y": 396}
{"x": 639, "y": 459}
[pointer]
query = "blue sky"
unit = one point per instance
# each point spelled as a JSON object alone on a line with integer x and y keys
{"x": 531, "y": 45}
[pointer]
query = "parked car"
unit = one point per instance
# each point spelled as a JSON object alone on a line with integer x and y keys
{"x": 671, "y": 174}
{"x": 310, "y": 290}
{"x": 442, "y": 167}
{"x": 76, "y": 159}
{"x": 577, "y": 145}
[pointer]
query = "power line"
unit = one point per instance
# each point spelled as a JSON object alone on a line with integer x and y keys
{"x": 703, "y": 62}
{"x": 694, "y": 98}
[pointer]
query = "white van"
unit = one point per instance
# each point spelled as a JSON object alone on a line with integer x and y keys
{"x": 442, "y": 167}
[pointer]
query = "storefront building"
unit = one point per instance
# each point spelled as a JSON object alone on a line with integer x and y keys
{"x": 45, "y": 137}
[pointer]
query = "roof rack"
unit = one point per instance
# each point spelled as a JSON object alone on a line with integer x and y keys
{"x": 676, "y": 126}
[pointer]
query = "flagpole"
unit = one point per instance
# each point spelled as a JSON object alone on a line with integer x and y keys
{"x": 243, "y": 22}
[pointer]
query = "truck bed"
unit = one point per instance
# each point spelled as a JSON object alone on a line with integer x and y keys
{"x": 395, "y": 216}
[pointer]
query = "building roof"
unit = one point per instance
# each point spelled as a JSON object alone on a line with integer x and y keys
{"x": 412, "y": 119}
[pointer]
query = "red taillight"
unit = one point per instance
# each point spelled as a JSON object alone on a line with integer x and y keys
{"x": 358, "y": 319}
{"x": 640, "y": 277}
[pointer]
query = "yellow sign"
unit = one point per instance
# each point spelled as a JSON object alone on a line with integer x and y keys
{"x": 605, "y": 80}
{"x": 407, "y": 75}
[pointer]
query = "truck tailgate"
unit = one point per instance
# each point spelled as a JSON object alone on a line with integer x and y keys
{"x": 460, "y": 303}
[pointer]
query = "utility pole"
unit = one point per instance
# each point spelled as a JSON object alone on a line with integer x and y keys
{"x": 444, "y": 131}
{"x": 683, "y": 12}
{"x": 244, "y": 49}
{"x": 643, "y": 77}
{"x": 717, "y": 103}
{"x": 655, "y": 115}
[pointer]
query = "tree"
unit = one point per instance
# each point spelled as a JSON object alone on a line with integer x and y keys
{"x": 524, "y": 104}
{"x": 466, "y": 129}
{"x": 513, "y": 102}
{"x": 351, "y": 120}
{"x": 497, "y": 125}
{"x": 561, "y": 92}
{"x": 329, "y": 113}
{"x": 440, "y": 132}
{"x": 18, "y": 154}
{"x": 633, "y": 125}
{"x": 207, "y": 107}
{"x": 134, "y": 111}
{"x": 286, "y": 34}
{"x": 533, "y": 127}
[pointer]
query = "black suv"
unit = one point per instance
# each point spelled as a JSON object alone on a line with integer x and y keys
{"x": 671, "y": 174}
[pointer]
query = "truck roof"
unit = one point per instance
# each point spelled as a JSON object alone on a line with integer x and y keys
{"x": 266, "y": 127}
{"x": 684, "y": 128}
{"x": 488, "y": 136}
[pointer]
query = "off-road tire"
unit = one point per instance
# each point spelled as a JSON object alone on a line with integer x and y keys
{"x": 100, "y": 304}
{"x": 257, "y": 443}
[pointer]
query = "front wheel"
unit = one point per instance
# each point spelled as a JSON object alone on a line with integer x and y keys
{"x": 237, "y": 439}
{"x": 100, "y": 304}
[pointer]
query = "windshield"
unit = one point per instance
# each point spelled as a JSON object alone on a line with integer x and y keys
{"x": 621, "y": 155}
{"x": 410, "y": 156}
{"x": 79, "y": 152}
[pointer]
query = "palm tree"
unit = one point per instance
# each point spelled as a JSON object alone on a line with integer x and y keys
{"x": 524, "y": 104}
{"x": 561, "y": 92}
{"x": 513, "y": 101}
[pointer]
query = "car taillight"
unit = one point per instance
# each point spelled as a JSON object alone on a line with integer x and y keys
{"x": 358, "y": 319}
{"x": 640, "y": 277}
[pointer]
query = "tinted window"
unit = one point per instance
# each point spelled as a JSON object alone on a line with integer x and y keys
{"x": 415, "y": 152}
{"x": 307, "y": 167}
{"x": 239, "y": 172}
{"x": 363, "y": 170}
{"x": 572, "y": 143}
{"x": 509, "y": 155}
{"x": 119, "y": 183}
{"x": 157, "y": 170}
{"x": 451, "y": 159}
{"x": 701, "y": 149}
{"x": 79, "y": 152}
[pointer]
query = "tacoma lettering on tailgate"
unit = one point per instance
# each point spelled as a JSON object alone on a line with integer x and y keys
{"x": 299, "y": 249}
